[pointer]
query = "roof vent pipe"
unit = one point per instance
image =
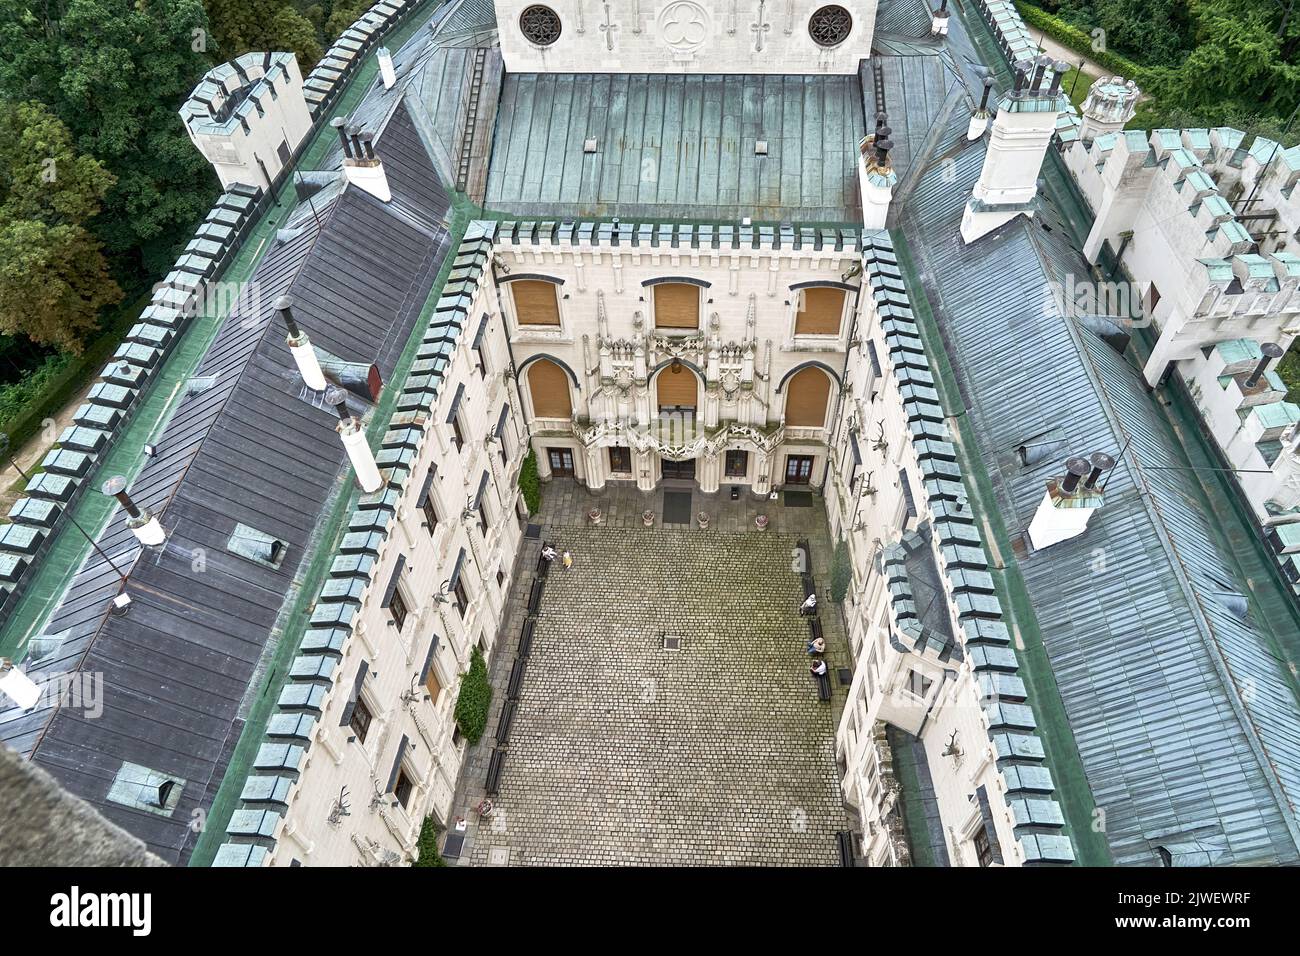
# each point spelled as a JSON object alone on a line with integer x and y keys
{"x": 364, "y": 169}
{"x": 1022, "y": 71}
{"x": 386, "y": 71}
{"x": 979, "y": 120}
{"x": 339, "y": 124}
{"x": 354, "y": 442}
{"x": 881, "y": 119}
{"x": 146, "y": 528}
{"x": 1040, "y": 68}
{"x": 1101, "y": 462}
{"x": 939, "y": 20}
{"x": 304, "y": 356}
{"x": 1059, "y": 69}
{"x": 20, "y": 688}
{"x": 1270, "y": 351}
{"x": 1075, "y": 469}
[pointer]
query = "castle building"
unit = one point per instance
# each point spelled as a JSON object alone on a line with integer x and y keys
{"x": 1023, "y": 356}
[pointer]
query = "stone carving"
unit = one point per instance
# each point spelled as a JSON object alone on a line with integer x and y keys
{"x": 830, "y": 26}
{"x": 540, "y": 25}
{"x": 684, "y": 26}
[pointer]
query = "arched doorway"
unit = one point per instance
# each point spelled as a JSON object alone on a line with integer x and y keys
{"x": 677, "y": 399}
{"x": 549, "y": 387}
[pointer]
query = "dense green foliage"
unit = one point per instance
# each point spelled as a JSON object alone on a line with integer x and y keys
{"x": 475, "y": 696}
{"x": 530, "y": 484}
{"x": 427, "y": 846}
{"x": 841, "y": 572}
{"x": 1201, "y": 62}
{"x": 53, "y": 276}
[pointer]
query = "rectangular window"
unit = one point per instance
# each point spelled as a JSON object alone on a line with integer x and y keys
{"x": 620, "y": 459}
{"x": 676, "y": 305}
{"x": 432, "y": 686}
{"x": 983, "y": 848}
{"x": 462, "y": 601}
{"x": 360, "y": 722}
{"x": 430, "y": 513}
{"x": 737, "y": 464}
{"x": 561, "y": 462}
{"x": 397, "y": 608}
{"x": 456, "y": 433}
{"x": 536, "y": 302}
{"x": 482, "y": 520}
{"x": 403, "y": 788}
{"x": 820, "y": 311}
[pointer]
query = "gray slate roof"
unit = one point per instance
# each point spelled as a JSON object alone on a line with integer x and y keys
{"x": 1186, "y": 722}
{"x": 678, "y": 147}
{"x": 247, "y": 450}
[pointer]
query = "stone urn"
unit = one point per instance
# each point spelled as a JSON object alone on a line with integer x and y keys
{"x": 648, "y": 518}
{"x": 761, "y": 522}
{"x": 594, "y": 516}
{"x": 703, "y": 519}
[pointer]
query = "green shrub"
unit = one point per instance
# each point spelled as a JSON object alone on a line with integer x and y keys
{"x": 1080, "y": 42}
{"x": 841, "y": 572}
{"x": 17, "y": 397}
{"x": 475, "y": 695}
{"x": 428, "y": 845}
{"x": 530, "y": 484}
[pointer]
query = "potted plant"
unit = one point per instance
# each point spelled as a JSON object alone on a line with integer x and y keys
{"x": 761, "y": 522}
{"x": 648, "y": 518}
{"x": 594, "y": 516}
{"x": 703, "y": 519}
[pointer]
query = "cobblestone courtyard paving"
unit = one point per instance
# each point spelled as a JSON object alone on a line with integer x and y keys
{"x": 623, "y": 752}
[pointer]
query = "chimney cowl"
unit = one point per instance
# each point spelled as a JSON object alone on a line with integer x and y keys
{"x": 284, "y": 309}
{"x": 1100, "y": 462}
{"x": 340, "y": 124}
{"x": 1268, "y": 352}
{"x": 1075, "y": 469}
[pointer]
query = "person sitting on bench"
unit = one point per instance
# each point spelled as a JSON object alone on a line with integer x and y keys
{"x": 549, "y": 553}
{"x": 809, "y": 606}
{"x": 818, "y": 668}
{"x": 817, "y": 645}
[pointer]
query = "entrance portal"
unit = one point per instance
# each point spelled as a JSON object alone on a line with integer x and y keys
{"x": 679, "y": 469}
{"x": 798, "y": 469}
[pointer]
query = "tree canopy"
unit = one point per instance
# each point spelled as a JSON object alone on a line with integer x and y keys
{"x": 53, "y": 276}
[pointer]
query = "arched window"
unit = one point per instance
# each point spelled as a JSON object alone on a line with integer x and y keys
{"x": 676, "y": 305}
{"x": 549, "y": 387}
{"x": 806, "y": 397}
{"x": 536, "y": 302}
{"x": 820, "y": 311}
{"x": 677, "y": 387}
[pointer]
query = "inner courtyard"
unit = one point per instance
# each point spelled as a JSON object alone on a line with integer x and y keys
{"x": 622, "y": 751}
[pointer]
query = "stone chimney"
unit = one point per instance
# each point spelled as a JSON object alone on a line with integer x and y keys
{"x": 354, "y": 441}
{"x": 146, "y": 528}
{"x": 360, "y": 164}
{"x": 939, "y": 20}
{"x": 1070, "y": 501}
{"x": 1110, "y": 104}
{"x": 876, "y": 176}
{"x": 304, "y": 356}
{"x": 1020, "y": 136}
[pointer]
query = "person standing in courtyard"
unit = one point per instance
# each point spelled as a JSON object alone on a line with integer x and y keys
{"x": 567, "y": 559}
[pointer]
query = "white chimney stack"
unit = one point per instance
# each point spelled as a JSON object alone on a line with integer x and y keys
{"x": 1067, "y": 506}
{"x": 1022, "y": 131}
{"x": 360, "y": 164}
{"x": 876, "y": 176}
{"x": 939, "y": 20}
{"x": 146, "y": 528}
{"x": 20, "y": 688}
{"x": 979, "y": 120}
{"x": 354, "y": 441}
{"x": 304, "y": 356}
{"x": 386, "y": 71}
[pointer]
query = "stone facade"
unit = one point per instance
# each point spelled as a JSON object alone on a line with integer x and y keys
{"x": 685, "y": 36}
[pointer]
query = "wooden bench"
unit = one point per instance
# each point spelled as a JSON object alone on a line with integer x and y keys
{"x": 495, "y": 763}
{"x": 526, "y": 637}
{"x": 507, "y": 718}
{"x": 844, "y": 841}
{"x": 814, "y": 628}
{"x": 516, "y": 679}
{"x": 535, "y": 595}
{"x": 823, "y": 685}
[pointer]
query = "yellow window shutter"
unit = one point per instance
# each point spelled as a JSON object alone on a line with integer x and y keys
{"x": 677, "y": 305}
{"x": 676, "y": 388}
{"x": 550, "y": 389}
{"x": 820, "y": 311}
{"x": 806, "y": 396}
{"x": 536, "y": 302}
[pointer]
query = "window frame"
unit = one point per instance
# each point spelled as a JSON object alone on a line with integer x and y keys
{"x": 684, "y": 330}
{"x": 624, "y": 452}
{"x": 361, "y": 731}
{"x": 398, "y": 611}
{"x": 726, "y": 464}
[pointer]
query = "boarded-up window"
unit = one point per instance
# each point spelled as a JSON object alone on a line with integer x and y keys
{"x": 819, "y": 311}
{"x": 550, "y": 389}
{"x": 677, "y": 305}
{"x": 806, "y": 396}
{"x": 676, "y": 388}
{"x": 536, "y": 302}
